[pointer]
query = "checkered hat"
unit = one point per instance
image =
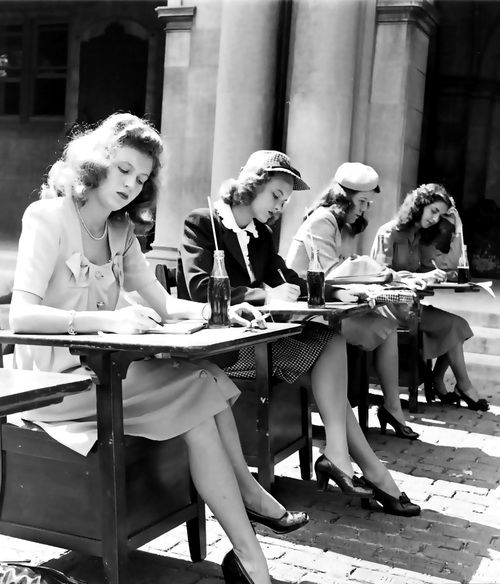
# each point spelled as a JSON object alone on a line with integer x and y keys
{"x": 274, "y": 161}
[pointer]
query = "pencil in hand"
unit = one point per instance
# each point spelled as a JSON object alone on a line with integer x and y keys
{"x": 282, "y": 276}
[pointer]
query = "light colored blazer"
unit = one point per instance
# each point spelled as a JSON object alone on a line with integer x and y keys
{"x": 51, "y": 264}
{"x": 321, "y": 230}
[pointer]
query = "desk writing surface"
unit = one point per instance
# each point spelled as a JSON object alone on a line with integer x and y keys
{"x": 19, "y": 380}
{"x": 338, "y": 310}
{"x": 21, "y": 390}
{"x": 468, "y": 286}
{"x": 199, "y": 344}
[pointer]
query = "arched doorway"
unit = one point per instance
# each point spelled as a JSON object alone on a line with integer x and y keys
{"x": 113, "y": 73}
{"x": 461, "y": 132}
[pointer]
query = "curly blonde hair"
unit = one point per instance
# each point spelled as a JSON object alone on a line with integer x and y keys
{"x": 86, "y": 158}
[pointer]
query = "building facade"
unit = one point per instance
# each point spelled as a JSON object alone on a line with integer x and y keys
{"x": 407, "y": 86}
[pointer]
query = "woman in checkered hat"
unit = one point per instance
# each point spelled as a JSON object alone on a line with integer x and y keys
{"x": 331, "y": 226}
{"x": 256, "y": 272}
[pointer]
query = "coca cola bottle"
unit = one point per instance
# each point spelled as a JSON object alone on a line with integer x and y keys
{"x": 463, "y": 273}
{"x": 315, "y": 282}
{"x": 219, "y": 293}
{"x": 380, "y": 253}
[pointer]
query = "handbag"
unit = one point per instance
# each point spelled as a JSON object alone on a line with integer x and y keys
{"x": 358, "y": 270}
{"x": 21, "y": 573}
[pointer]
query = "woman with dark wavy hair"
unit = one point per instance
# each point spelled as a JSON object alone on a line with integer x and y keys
{"x": 443, "y": 333}
{"x": 77, "y": 251}
{"x": 331, "y": 226}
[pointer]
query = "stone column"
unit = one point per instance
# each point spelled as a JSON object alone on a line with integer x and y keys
{"x": 397, "y": 99}
{"x": 245, "y": 84}
{"x": 329, "y": 75}
{"x": 178, "y": 24}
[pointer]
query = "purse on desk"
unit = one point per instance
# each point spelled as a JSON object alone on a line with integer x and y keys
{"x": 21, "y": 573}
{"x": 358, "y": 270}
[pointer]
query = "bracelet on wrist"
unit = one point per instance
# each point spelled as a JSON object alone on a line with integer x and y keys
{"x": 71, "y": 323}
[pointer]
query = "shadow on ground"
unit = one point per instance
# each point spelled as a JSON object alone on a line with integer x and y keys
{"x": 433, "y": 544}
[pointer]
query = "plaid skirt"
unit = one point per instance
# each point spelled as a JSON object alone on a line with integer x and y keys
{"x": 292, "y": 356}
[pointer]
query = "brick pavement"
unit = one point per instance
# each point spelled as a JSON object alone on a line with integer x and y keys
{"x": 452, "y": 471}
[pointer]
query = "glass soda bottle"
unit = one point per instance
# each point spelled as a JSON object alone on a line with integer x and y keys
{"x": 463, "y": 273}
{"x": 315, "y": 282}
{"x": 219, "y": 293}
{"x": 380, "y": 254}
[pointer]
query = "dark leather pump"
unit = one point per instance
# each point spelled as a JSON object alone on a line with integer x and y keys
{"x": 479, "y": 405}
{"x": 325, "y": 470}
{"x": 447, "y": 399}
{"x": 392, "y": 505}
{"x": 289, "y": 521}
{"x": 401, "y": 430}
{"x": 233, "y": 570}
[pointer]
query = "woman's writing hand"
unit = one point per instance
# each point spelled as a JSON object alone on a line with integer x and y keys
{"x": 434, "y": 276}
{"x": 240, "y": 313}
{"x": 285, "y": 292}
{"x": 132, "y": 320}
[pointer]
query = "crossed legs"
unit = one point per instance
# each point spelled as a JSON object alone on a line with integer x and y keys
{"x": 344, "y": 437}
{"x": 454, "y": 358}
{"x": 215, "y": 479}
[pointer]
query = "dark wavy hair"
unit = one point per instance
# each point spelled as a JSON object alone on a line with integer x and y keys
{"x": 414, "y": 204}
{"x": 244, "y": 189}
{"x": 86, "y": 158}
{"x": 338, "y": 200}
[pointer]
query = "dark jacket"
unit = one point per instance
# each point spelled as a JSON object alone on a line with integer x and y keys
{"x": 196, "y": 261}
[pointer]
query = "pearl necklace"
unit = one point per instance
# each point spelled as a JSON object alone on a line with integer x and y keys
{"x": 101, "y": 237}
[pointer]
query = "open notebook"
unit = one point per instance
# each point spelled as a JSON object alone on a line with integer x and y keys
{"x": 178, "y": 327}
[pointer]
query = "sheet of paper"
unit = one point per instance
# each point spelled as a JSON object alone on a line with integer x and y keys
{"x": 179, "y": 327}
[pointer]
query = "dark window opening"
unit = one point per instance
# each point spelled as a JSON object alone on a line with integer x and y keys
{"x": 33, "y": 69}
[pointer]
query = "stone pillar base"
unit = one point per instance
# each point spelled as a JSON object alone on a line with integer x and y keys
{"x": 163, "y": 254}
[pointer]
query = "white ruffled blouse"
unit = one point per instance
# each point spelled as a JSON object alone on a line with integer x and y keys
{"x": 242, "y": 233}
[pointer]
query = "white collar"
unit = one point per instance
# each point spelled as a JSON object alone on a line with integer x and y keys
{"x": 226, "y": 214}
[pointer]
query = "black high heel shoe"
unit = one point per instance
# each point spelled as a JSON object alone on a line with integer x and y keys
{"x": 289, "y": 521}
{"x": 479, "y": 405}
{"x": 449, "y": 398}
{"x": 233, "y": 570}
{"x": 393, "y": 505}
{"x": 401, "y": 430}
{"x": 325, "y": 469}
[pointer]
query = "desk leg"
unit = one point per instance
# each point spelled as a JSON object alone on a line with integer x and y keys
{"x": 414, "y": 362}
{"x": 196, "y": 531}
{"x": 112, "y": 466}
{"x": 305, "y": 453}
{"x": 263, "y": 359}
{"x": 364, "y": 390}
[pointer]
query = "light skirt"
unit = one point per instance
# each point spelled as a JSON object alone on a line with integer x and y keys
{"x": 162, "y": 398}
